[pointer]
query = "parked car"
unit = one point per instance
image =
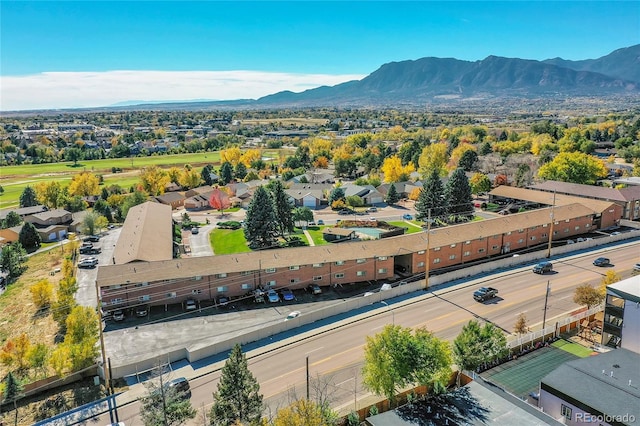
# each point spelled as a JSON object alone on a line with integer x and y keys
{"x": 180, "y": 386}
{"x": 346, "y": 211}
{"x": 272, "y": 296}
{"x": 194, "y": 230}
{"x": 90, "y": 250}
{"x": 287, "y": 294}
{"x": 118, "y": 315}
{"x": 372, "y": 209}
{"x": 90, "y": 259}
{"x": 407, "y": 216}
{"x": 601, "y": 261}
{"x": 142, "y": 310}
{"x": 320, "y": 222}
{"x": 373, "y": 219}
{"x": 258, "y": 295}
{"x": 543, "y": 268}
{"x": 636, "y": 267}
{"x": 400, "y": 268}
{"x": 314, "y": 289}
{"x": 311, "y": 224}
{"x": 92, "y": 238}
{"x": 86, "y": 264}
{"x": 190, "y": 305}
{"x": 223, "y": 300}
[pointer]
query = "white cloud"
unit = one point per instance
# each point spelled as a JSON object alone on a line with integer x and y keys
{"x": 52, "y": 90}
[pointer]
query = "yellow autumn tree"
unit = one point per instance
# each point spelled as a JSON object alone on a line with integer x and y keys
{"x": 394, "y": 171}
{"x": 231, "y": 155}
{"x": 457, "y": 153}
{"x": 320, "y": 147}
{"x": 250, "y": 156}
{"x": 42, "y": 293}
{"x": 188, "y": 179}
{"x": 174, "y": 174}
{"x": 48, "y": 193}
{"x": 154, "y": 180}
{"x": 433, "y": 157}
{"x": 321, "y": 162}
{"x": 343, "y": 152}
{"x": 542, "y": 142}
{"x": 301, "y": 413}
{"x": 84, "y": 184}
{"x": 574, "y": 167}
{"x": 415, "y": 193}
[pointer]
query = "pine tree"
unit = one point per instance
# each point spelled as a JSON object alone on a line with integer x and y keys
{"x": 28, "y": 197}
{"x": 226, "y": 173}
{"x": 392, "y": 196}
{"x": 431, "y": 198}
{"x": 206, "y": 174}
{"x": 29, "y": 237}
{"x": 12, "y": 392}
{"x": 238, "y": 396}
{"x": 260, "y": 224}
{"x": 336, "y": 195}
{"x": 12, "y": 219}
{"x": 282, "y": 208}
{"x": 458, "y": 194}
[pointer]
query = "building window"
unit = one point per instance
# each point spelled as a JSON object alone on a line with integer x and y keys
{"x": 115, "y": 287}
{"x": 144, "y": 284}
{"x": 382, "y": 270}
{"x": 588, "y": 225}
{"x": 246, "y": 286}
{"x": 481, "y": 250}
{"x": 576, "y": 228}
{"x": 509, "y": 233}
{"x": 144, "y": 298}
{"x": 270, "y": 270}
{"x": 568, "y": 220}
{"x": 361, "y": 260}
{"x": 294, "y": 280}
{"x": 451, "y": 257}
{"x": 318, "y": 265}
{"x": 223, "y": 289}
{"x": 494, "y": 247}
{"x": 565, "y": 411}
{"x": 196, "y": 291}
{"x": 317, "y": 278}
{"x": 294, "y": 268}
{"x": 436, "y": 260}
{"x": 421, "y": 252}
{"x": 246, "y": 272}
{"x": 116, "y": 301}
{"x": 521, "y": 240}
{"x": 420, "y": 264}
{"x": 466, "y": 253}
{"x": 171, "y": 295}
{"x": 382, "y": 257}
{"x": 361, "y": 273}
{"x": 452, "y": 245}
{"x": 271, "y": 283}
{"x": 566, "y": 230}
{"x": 222, "y": 275}
{"x": 340, "y": 262}
{"x": 544, "y": 236}
{"x": 340, "y": 275}
{"x": 520, "y": 231}
{"x": 533, "y": 238}
{"x": 197, "y": 278}
{"x": 467, "y": 242}
{"x": 436, "y": 249}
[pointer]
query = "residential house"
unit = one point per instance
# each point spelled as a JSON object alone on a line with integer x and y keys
{"x": 368, "y": 193}
{"x": 621, "y": 323}
{"x": 306, "y": 197}
{"x": 173, "y": 199}
{"x": 315, "y": 177}
{"x": 10, "y": 235}
{"x": 23, "y": 211}
{"x": 602, "y": 389}
{"x": 52, "y": 225}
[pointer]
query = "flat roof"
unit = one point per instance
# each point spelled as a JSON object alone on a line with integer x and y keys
{"x": 590, "y": 381}
{"x": 628, "y": 289}
{"x": 546, "y": 198}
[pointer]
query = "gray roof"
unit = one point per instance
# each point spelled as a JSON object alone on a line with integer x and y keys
{"x": 23, "y": 211}
{"x": 589, "y": 191}
{"x": 584, "y": 381}
{"x": 488, "y": 406}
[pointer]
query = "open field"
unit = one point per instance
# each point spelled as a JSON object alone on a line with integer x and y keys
{"x": 286, "y": 121}
{"x": 15, "y": 178}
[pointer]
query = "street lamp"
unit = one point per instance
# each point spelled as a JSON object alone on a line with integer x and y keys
{"x": 393, "y": 315}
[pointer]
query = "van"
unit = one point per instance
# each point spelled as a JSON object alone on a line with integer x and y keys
{"x": 543, "y": 268}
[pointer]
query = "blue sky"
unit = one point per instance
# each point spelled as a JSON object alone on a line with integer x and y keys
{"x": 90, "y": 53}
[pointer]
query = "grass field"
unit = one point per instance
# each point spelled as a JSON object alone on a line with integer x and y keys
{"x": 572, "y": 348}
{"x": 228, "y": 241}
{"x": 316, "y": 235}
{"x": 410, "y": 229}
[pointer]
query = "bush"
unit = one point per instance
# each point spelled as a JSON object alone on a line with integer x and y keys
{"x": 231, "y": 224}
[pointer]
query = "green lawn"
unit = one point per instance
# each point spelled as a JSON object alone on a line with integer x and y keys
{"x": 572, "y": 348}
{"x": 410, "y": 229}
{"x": 316, "y": 234}
{"x": 228, "y": 241}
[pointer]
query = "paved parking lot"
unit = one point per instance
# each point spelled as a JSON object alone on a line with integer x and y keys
{"x": 86, "y": 278}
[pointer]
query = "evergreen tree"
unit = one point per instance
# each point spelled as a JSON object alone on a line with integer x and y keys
{"x": 336, "y": 195}
{"x": 226, "y": 173}
{"x": 28, "y": 197}
{"x": 282, "y": 208}
{"x": 12, "y": 219}
{"x": 392, "y": 195}
{"x": 260, "y": 224}
{"x": 206, "y": 174}
{"x": 468, "y": 160}
{"x": 241, "y": 171}
{"x": 475, "y": 345}
{"x": 458, "y": 194}
{"x": 12, "y": 392}
{"x": 29, "y": 237}
{"x": 238, "y": 397}
{"x": 431, "y": 198}
{"x": 165, "y": 405}
{"x": 12, "y": 259}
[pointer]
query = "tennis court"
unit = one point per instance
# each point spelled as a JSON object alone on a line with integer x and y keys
{"x": 522, "y": 376}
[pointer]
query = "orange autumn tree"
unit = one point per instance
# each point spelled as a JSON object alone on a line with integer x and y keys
{"x": 219, "y": 200}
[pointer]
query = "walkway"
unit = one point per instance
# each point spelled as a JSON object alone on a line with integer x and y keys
{"x": 308, "y": 235}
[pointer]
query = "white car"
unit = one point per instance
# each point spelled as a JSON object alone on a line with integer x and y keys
{"x": 292, "y": 315}
{"x": 190, "y": 305}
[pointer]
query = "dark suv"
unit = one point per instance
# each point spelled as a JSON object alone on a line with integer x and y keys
{"x": 181, "y": 386}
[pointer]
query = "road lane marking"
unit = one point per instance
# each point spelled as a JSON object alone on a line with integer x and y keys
{"x": 313, "y": 350}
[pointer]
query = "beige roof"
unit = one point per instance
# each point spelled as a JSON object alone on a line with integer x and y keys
{"x": 577, "y": 189}
{"x": 343, "y": 232}
{"x": 542, "y": 197}
{"x": 394, "y": 246}
{"x": 147, "y": 234}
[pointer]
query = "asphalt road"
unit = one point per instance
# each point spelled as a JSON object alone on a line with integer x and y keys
{"x": 336, "y": 356}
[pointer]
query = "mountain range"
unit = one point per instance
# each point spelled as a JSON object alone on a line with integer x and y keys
{"x": 437, "y": 79}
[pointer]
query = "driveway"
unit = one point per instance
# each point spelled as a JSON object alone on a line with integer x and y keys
{"x": 199, "y": 243}
{"x": 86, "y": 278}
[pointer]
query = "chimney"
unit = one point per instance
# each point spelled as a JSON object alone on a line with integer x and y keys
{"x": 611, "y": 375}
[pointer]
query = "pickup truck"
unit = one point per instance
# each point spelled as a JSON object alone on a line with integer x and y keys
{"x": 484, "y": 293}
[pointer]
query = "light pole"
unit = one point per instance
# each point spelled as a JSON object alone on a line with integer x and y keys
{"x": 551, "y": 225}
{"x": 393, "y": 315}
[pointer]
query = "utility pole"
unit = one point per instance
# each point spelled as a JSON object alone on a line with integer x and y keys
{"x": 551, "y": 226}
{"x": 427, "y": 255}
{"x": 105, "y": 367}
{"x": 546, "y": 299}
{"x": 307, "y": 377}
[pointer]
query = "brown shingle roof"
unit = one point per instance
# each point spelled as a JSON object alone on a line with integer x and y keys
{"x": 546, "y": 198}
{"x": 147, "y": 234}
{"x": 577, "y": 189}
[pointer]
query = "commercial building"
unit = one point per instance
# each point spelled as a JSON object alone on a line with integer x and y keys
{"x": 621, "y": 324}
